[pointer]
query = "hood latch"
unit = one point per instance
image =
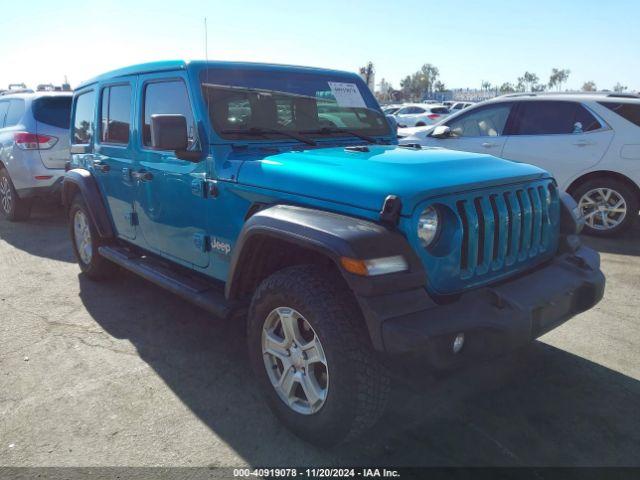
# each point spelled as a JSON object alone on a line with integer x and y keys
{"x": 391, "y": 209}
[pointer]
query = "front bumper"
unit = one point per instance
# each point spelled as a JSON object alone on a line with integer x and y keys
{"x": 493, "y": 319}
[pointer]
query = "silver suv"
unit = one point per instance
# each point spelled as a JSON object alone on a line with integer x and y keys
{"x": 34, "y": 147}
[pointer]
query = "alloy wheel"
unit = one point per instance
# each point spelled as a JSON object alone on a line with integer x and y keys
{"x": 603, "y": 208}
{"x": 295, "y": 361}
{"x": 6, "y": 195}
{"x": 82, "y": 237}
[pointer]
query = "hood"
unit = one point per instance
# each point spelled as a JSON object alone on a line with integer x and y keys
{"x": 413, "y": 131}
{"x": 364, "y": 179}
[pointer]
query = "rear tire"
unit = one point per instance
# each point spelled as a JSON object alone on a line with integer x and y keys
{"x": 609, "y": 206}
{"x": 12, "y": 207}
{"x": 86, "y": 241}
{"x": 349, "y": 389}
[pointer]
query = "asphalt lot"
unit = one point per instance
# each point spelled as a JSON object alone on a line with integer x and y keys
{"x": 122, "y": 373}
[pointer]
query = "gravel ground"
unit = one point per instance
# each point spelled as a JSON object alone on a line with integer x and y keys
{"x": 122, "y": 373}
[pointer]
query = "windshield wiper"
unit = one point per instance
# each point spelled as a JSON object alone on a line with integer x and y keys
{"x": 268, "y": 131}
{"x": 330, "y": 130}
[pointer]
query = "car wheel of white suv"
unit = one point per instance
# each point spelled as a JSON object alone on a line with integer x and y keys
{"x": 609, "y": 206}
{"x": 12, "y": 207}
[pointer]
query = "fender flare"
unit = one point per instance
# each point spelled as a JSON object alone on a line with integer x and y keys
{"x": 332, "y": 235}
{"x": 86, "y": 184}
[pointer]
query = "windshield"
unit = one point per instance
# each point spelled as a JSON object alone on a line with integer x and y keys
{"x": 259, "y": 104}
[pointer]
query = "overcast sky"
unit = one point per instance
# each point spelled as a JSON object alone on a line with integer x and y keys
{"x": 469, "y": 41}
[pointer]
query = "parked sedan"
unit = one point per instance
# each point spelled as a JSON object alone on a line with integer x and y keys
{"x": 457, "y": 106}
{"x": 591, "y": 144}
{"x": 420, "y": 115}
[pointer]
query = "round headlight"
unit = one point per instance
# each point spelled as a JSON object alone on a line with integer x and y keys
{"x": 428, "y": 225}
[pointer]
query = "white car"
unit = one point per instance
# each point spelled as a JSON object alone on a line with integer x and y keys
{"x": 589, "y": 142}
{"x": 457, "y": 106}
{"x": 420, "y": 114}
{"x": 390, "y": 109}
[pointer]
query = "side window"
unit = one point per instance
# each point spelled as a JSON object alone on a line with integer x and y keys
{"x": 167, "y": 97}
{"x": 83, "y": 118}
{"x": 553, "y": 118}
{"x": 585, "y": 121}
{"x": 115, "y": 114}
{"x": 15, "y": 112}
{"x": 628, "y": 111}
{"x": 239, "y": 112}
{"x": 482, "y": 122}
{"x": 4, "y": 107}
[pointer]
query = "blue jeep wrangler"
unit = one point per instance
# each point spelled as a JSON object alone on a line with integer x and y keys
{"x": 280, "y": 193}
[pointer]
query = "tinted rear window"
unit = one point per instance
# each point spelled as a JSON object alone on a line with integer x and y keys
{"x": 628, "y": 111}
{"x": 54, "y": 111}
{"x": 553, "y": 118}
{"x": 439, "y": 110}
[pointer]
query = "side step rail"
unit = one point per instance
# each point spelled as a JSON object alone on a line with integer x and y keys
{"x": 199, "y": 292}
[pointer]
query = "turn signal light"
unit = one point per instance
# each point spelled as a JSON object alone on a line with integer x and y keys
{"x": 374, "y": 266}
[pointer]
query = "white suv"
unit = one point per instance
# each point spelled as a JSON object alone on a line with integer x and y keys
{"x": 590, "y": 142}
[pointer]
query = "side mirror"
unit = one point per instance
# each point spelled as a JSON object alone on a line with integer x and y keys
{"x": 169, "y": 132}
{"x": 393, "y": 123}
{"x": 441, "y": 131}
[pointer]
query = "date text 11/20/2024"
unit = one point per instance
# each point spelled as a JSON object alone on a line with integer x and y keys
{"x": 317, "y": 472}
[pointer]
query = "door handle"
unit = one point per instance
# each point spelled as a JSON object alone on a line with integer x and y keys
{"x": 583, "y": 143}
{"x": 489, "y": 144}
{"x": 101, "y": 166}
{"x": 142, "y": 176}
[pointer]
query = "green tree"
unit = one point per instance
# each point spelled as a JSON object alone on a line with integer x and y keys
{"x": 486, "y": 85}
{"x": 367, "y": 73}
{"x": 527, "y": 81}
{"x": 440, "y": 87}
{"x": 589, "y": 86}
{"x": 385, "y": 90}
{"x": 421, "y": 83}
{"x": 619, "y": 88}
{"x": 507, "y": 87}
{"x": 558, "y": 77}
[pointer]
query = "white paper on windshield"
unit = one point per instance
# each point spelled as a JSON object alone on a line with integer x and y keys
{"x": 347, "y": 94}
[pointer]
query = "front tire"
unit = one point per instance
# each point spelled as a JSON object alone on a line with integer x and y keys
{"x": 12, "y": 207}
{"x": 86, "y": 241}
{"x": 311, "y": 354}
{"x": 609, "y": 206}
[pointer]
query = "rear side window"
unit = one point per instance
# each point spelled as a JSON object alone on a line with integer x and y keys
{"x": 83, "y": 118}
{"x": 54, "y": 111}
{"x": 116, "y": 114}
{"x": 628, "y": 111}
{"x": 4, "y": 106}
{"x": 170, "y": 97}
{"x": 15, "y": 112}
{"x": 553, "y": 118}
{"x": 440, "y": 110}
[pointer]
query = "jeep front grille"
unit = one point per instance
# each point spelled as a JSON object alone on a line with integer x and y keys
{"x": 502, "y": 229}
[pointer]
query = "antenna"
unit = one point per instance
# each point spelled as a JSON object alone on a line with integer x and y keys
{"x": 206, "y": 41}
{"x": 204, "y": 87}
